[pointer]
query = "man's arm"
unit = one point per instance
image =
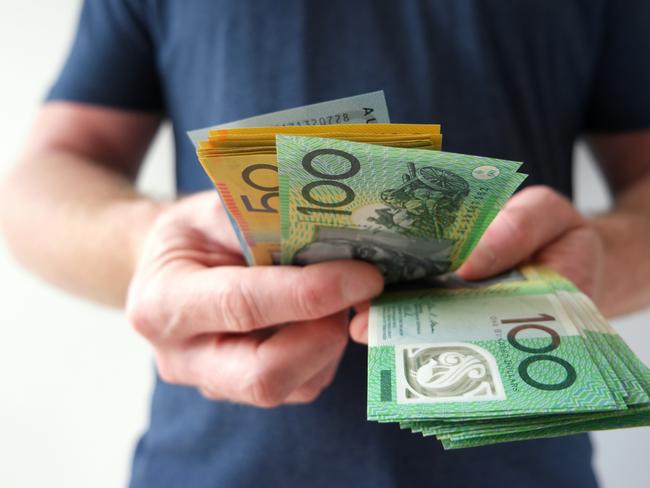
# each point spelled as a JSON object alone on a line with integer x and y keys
{"x": 625, "y": 230}
{"x": 71, "y": 214}
{"x": 69, "y": 210}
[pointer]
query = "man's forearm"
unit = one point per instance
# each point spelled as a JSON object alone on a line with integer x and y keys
{"x": 626, "y": 236}
{"x": 75, "y": 223}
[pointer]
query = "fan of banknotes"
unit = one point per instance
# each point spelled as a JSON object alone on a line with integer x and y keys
{"x": 524, "y": 355}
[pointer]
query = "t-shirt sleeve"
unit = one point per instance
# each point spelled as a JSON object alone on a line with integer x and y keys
{"x": 620, "y": 89}
{"x": 112, "y": 60}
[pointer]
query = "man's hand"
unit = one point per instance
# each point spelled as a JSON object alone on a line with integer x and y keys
{"x": 262, "y": 335}
{"x": 537, "y": 224}
{"x": 540, "y": 225}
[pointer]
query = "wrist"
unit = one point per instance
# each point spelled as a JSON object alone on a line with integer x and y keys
{"x": 138, "y": 216}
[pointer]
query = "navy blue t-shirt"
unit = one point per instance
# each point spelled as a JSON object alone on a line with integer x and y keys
{"x": 517, "y": 80}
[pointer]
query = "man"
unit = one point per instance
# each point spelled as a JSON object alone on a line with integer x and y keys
{"x": 518, "y": 80}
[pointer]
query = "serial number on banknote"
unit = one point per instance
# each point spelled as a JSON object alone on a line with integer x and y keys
{"x": 340, "y": 118}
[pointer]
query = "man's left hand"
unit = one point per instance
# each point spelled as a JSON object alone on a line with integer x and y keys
{"x": 537, "y": 224}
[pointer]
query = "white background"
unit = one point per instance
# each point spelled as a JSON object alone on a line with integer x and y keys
{"x": 74, "y": 379}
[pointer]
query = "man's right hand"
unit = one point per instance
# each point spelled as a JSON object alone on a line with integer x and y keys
{"x": 262, "y": 335}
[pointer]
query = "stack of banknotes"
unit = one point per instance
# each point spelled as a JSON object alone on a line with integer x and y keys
{"x": 521, "y": 356}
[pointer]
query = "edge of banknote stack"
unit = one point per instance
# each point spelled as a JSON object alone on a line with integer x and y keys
{"x": 525, "y": 356}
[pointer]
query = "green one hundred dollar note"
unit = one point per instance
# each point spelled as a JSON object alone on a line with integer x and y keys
{"x": 411, "y": 212}
{"x": 496, "y": 352}
{"x": 602, "y": 355}
{"x": 630, "y": 375}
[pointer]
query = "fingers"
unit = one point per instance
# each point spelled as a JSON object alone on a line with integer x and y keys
{"x": 236, "y": 299}
{"x": 359, "y": 327}
{"x": 308, "y": 392}
{"x": 190, "y": 282}
{"x": 579, "y": 256}
{"x": 293, "y": 364}
{"x": 203, "y": 215}
{"x": 531, "y": 219}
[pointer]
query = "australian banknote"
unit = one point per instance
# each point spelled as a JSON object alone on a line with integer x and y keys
{"x": 367, "y": 108}
{"x": 513, "y": 359}
{"x": 411, "y": 212}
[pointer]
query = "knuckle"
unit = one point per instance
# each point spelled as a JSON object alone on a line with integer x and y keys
{"x": 263, "y": 391}
{"x": 520, "y": 226}
{"x": 210, "y": 394}
{"x": 152, "y": 315}
{"x": 166, "y": 370}
{"x": 237, "y": 308}
{"x": 547, "y": 194}
{"x": 340, "y": 332}
{"x": 594, "y": 241}
{"x": 141, "y": 315}
{"x": 312, "y": 298}
{"x": 335, "y": 338}
{"x": 308, "y": 394}
{"x": 554, "y": 202}
{"x": 328, "y": 380}
{"x": 582, "y": 260}
{"x": 312, "y": 390}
